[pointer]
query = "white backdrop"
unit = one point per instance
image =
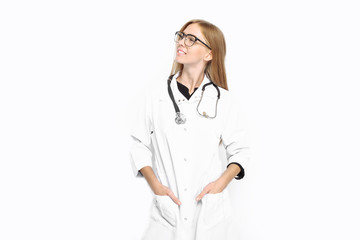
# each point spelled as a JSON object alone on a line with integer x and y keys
{"x": 71, "y": 71}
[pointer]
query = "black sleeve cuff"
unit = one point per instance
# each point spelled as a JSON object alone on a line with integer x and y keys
{"x": 241, "y": 173}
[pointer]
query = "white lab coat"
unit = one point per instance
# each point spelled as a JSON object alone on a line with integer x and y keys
{"x": 186, "y": 158}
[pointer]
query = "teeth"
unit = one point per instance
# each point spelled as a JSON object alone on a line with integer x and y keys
{"x": 179, "y": 51}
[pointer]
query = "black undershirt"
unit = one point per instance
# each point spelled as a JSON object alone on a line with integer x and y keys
{"x": 185, "y": 91}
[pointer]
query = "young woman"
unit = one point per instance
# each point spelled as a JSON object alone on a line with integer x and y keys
{"x": 177, "y": 136}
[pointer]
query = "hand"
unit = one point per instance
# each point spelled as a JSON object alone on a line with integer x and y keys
{"x": 214, "y": 187}
{"x": 162, "y": 190}
{"x": 156, "y": 186}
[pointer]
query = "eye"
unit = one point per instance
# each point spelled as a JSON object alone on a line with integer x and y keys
{"x": 191, "y": 39}
{"x": 179, "y": 36}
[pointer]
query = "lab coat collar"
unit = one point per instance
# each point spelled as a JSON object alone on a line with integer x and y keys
{"x": 179, "y": 98}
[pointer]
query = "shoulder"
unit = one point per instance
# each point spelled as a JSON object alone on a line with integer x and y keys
{"x": 157, "y": 89}
{"x": 152, "y": 90}
{"x": 230, "y": 101}
{"x": 226, "y": 96}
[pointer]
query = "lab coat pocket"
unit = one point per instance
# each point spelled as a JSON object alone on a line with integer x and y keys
{"x": 213, "y": 209}
{"x": 167, "y": 209}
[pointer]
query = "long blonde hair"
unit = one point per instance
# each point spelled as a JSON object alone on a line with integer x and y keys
{"x": 215, "y": 68}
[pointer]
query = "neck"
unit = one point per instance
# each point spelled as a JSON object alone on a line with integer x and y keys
{"x": 191, "y": 78}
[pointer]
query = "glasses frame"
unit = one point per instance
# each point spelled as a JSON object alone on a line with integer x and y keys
{"x": 185, "y": 36}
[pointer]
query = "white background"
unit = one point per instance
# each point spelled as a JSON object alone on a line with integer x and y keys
{"x": 71, "y": 70}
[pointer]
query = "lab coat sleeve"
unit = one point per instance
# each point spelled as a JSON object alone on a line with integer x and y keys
{"x": 141, "y": 150}
{"x": 235, "y": 136}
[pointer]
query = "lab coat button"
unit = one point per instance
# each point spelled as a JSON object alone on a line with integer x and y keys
{"x": 185, "y": 219}
{"x": 185, "y": 159}
{"x": 185, "y": 129}
{"x": 185, "y": 189}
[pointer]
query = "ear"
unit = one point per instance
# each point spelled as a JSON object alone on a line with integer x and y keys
{"x": 208, "y": 56}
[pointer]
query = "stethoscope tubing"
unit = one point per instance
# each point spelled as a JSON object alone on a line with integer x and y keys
{"x": 172, "y": 95}
{"x": 180, "y": 118}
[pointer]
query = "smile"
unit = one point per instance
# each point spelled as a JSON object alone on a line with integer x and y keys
{"x": 180, "y": 51}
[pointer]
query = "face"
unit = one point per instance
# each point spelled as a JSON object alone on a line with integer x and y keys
{"x": 196, "y": 55}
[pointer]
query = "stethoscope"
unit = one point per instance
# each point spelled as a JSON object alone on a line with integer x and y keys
{"x": 180, "y": 118}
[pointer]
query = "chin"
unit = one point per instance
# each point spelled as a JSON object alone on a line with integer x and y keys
{"x": 179, "y": 60}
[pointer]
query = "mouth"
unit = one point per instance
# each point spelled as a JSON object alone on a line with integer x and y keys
{"x": 180, "y": 52}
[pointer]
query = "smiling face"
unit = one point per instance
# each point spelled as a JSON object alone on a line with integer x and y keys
{"x": 198, "y": 54}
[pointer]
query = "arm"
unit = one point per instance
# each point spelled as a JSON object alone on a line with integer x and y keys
{"x": 241, "y": 174}
{"x": 229, "y": 174}
{"x": 234, "y": 139}
{"x": 151, "y": 179}
{"x": 141, "y": 149}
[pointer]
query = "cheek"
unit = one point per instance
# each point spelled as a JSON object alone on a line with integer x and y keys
{"x": 195, "y": 54}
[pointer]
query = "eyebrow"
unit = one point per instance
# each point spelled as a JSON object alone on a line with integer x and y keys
{"x": 191, "y": 35}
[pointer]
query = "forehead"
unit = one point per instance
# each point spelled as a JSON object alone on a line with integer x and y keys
{"x": 194, "y": 29}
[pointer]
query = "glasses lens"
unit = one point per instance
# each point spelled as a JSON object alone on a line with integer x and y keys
{"x": 190, "y": 40}
{"x": 178, "y": 36}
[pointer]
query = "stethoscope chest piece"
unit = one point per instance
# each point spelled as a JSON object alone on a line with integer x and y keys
{"x": 180, "y": 118}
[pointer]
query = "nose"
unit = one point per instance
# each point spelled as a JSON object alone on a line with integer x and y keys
{"x": 181, "y": 42}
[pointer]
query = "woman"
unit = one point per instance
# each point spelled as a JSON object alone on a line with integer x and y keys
{"x": 180, "y": 157}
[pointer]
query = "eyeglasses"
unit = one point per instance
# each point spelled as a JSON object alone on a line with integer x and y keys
{"x": 189, "y": 39}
